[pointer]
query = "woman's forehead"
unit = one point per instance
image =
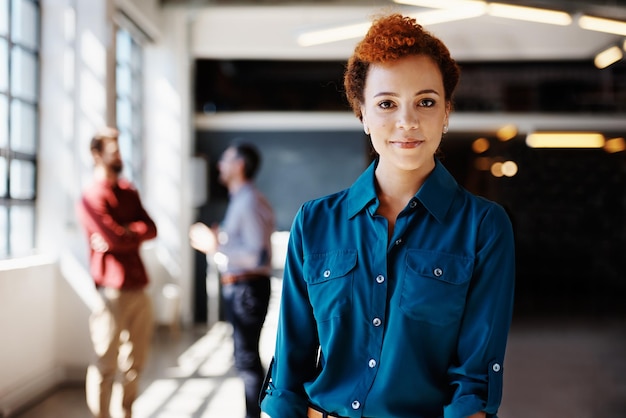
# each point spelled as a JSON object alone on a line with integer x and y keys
{"x": 413, "y": 70}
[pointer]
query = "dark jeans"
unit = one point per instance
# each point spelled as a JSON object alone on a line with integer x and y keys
{"x": 245, "y": 307}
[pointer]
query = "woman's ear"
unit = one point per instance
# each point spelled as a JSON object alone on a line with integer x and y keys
{"x": 446, "y": 118}
{"x": 366, "y": 129}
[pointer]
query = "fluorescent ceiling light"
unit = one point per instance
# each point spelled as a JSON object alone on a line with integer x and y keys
{"x": 598, "y": 24}
{"x": 608, "y": 56}
{"x": 615, "y": 145}
{"x": 448, "y": 15}
{"x": 357, "y": 30}
{"x": 442, "y": 4}
{"x": 506, "y": 132}
{"x": 565, "y": 140}
{"x": 531, "y": 14}
{"x": 339, "y": 33}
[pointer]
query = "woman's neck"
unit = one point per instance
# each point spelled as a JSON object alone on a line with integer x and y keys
{"x": 395, "y": 188}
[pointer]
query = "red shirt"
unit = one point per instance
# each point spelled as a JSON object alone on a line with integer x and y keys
{"x": 115, "y": 212}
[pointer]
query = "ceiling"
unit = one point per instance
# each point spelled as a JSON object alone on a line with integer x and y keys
{"x": 269, "y": 28}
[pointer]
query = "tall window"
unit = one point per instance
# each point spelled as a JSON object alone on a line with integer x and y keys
{"x": 19, "y": 97}
{"x": 129, "y": 80}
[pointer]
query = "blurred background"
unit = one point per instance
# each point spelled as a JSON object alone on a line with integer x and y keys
{"x": 183, "y": 78}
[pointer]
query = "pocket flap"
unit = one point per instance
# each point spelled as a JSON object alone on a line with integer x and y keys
{"x": 449, "y": 268}
{"x": 321, "y": 267}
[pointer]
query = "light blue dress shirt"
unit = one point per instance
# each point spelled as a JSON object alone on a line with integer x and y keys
{"x": 245, "y": 236}
{"x": 413, "y": 327}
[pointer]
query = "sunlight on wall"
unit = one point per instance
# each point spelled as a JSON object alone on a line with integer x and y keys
{"x": 92, "y": 93}
{"x": 165, "y": 157}
{"x": 80, "y": 280}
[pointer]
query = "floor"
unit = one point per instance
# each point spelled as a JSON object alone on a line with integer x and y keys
{"x": 555, "y": 368}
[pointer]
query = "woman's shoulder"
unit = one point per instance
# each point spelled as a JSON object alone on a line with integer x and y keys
{"x": 482, "y": 205}
{"x": 326, "y": 202}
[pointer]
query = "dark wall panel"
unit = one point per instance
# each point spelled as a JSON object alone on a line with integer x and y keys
{"x": 296, "y": 167}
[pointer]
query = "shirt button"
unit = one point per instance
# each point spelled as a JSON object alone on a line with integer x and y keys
{"x": 496, "y": 367}
{"x": 377, "y": 322}
{"x": 399, "y": 241}
{"x": 412, "y": 204}
{"x": 437, "y": 272}
{"x": 356, "y": 404}
{"x": 327, "y": 273}
{"x": 372, "y": 363}
{"x": 380, "y": 278}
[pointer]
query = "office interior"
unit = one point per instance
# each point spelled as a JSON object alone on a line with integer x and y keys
{"x": 182, "y": 78}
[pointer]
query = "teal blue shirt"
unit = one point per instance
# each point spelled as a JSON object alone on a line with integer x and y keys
{"x": 412, "y": 327}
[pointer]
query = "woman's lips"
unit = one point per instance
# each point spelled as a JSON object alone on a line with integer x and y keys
{"x": 413, "y": 143}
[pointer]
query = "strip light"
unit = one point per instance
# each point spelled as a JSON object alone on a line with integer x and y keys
{"x": 565, "y": 140}
{"x": 614, "y": 145}
{"x": 339, "y": 33}
{"x": 531, "y": 14}
{"x": 452, "y": 10}
{"x": 449, "y": 15}
{"x": 442, "y": 4}
{"x": 608, "y": 56}
{"x": 599, "y": 24}
{"x": 431, "y": 17}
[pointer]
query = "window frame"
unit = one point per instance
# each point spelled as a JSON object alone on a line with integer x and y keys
{"x": 129, "y": 95}
{"x": 17, "y": 238}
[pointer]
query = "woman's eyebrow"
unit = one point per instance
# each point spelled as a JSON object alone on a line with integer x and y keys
{"x": 425, "y": 91}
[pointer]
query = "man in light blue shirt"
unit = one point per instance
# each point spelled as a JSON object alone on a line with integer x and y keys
{"x": 242, "y": 250}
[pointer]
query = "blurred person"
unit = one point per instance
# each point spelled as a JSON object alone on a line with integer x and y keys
{"x": 398, "y": 291}
{"x": 116, "y": 224}
{"x": 242, "y": 251}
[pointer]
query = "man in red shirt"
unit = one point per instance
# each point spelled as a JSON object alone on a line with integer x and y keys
{"x": 121, "y": 328}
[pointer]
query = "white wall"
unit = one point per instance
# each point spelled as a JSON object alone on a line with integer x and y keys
{"x": 27, "y": 321}
{"x": 45, "y": 300}
{"x": 168, "y": 130}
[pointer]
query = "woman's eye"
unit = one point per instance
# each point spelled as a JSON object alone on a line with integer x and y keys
{"x": 386, "y": 104}
{"x": 427, "y": 103}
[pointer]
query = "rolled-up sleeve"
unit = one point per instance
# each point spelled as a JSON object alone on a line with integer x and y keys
{"x": 477, "y": 375}
{"x": 296, "y": 342}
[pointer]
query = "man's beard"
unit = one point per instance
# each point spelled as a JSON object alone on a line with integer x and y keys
{"x": 117, "y": 167}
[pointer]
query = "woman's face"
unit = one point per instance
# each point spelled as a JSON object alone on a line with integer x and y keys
{"x": 405, "y": 111}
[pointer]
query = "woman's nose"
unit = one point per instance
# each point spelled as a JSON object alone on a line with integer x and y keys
{"x": 408, "y": 119}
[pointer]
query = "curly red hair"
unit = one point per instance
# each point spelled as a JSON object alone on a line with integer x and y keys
{"x": 390, "y": 38}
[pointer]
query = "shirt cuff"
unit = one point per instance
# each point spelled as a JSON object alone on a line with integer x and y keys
{"x": 282, "y": 404}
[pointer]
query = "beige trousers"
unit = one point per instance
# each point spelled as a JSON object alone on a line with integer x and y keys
{"x": 121, "y": 331}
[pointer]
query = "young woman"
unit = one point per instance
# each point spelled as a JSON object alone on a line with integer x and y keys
{"x": 397, "y": 292}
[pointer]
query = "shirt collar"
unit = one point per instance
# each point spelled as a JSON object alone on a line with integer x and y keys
{"x": 436, "y": 194}
{"x": 438, "y": 191}
{"x": 363, "y": 192}
{"x": 245, "y": 186}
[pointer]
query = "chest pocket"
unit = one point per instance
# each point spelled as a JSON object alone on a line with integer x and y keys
{"x": 434, "y": 286}
{"x": 329, "y": 278}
